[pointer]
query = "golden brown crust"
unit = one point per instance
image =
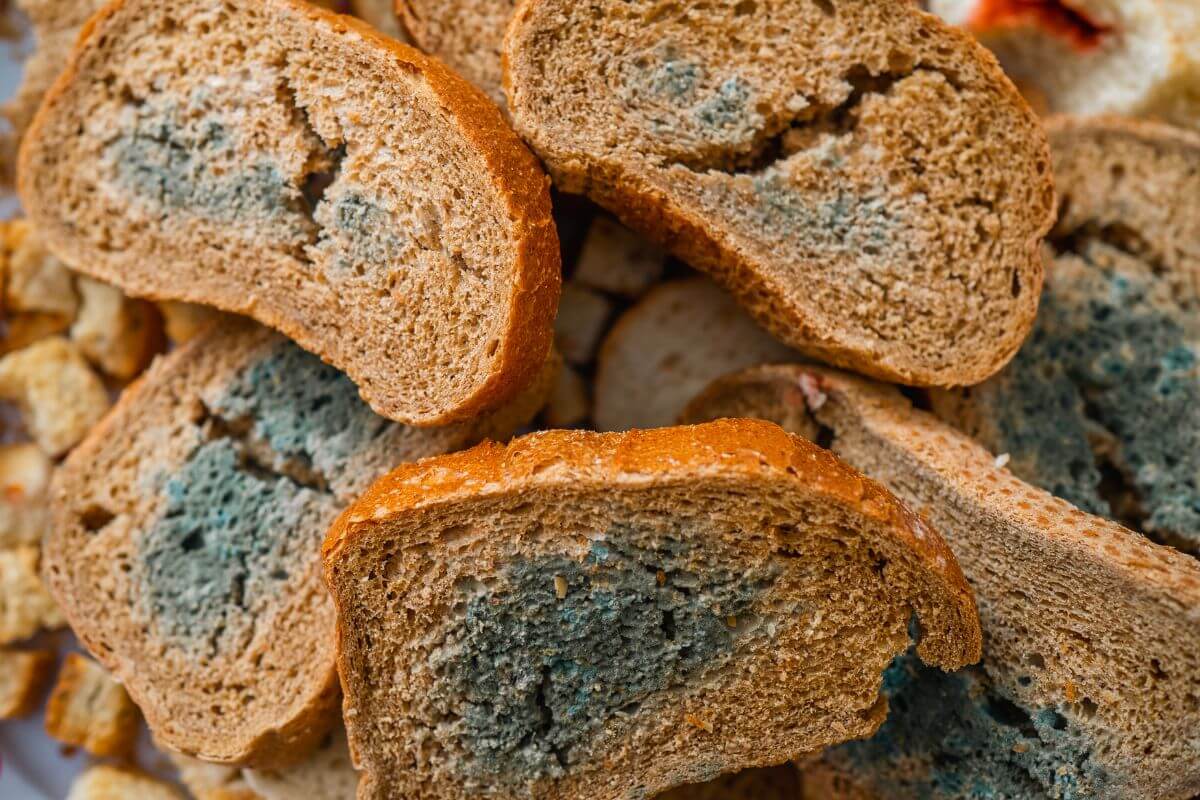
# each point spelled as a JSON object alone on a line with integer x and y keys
{"x": 748, "y": 448}
{"x": 514, "y": 171}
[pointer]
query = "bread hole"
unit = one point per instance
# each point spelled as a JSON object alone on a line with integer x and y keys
{"x": 1157, "y": 671}
{"x": 192, "y": 542}
{"x": 745, "y": 8}
{"x": 1087, "y": 708}
{"x": 95, "y": 518}
{"x": 826, "y": 7}
{"x": 1016, "y": 283}
{"x": 1036, "y": 661}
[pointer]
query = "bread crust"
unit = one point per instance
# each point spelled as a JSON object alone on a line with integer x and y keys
{"x": 660, "y": 215}
{"x": 513, "y": 171}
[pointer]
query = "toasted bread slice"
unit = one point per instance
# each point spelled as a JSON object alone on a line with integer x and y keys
{"x": 1102, "y": 404}
{"x": 660, "y": 353}
{"x": 1091, "y": 649}
{"x": 466, "y": 34}
{"x": 860, "y": 175}
{"x": 390, "y": 222}
{"x": 186, "y": 529}
{"x": 612, "y": 615}
{"x": 1134, "y": 57}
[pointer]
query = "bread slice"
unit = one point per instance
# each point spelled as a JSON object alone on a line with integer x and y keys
{"x": 1134, "y": 57}
{"x": 1102, "y": 404}
{"x": 391, "y": 223}
{"x": 660, "y": 353}
{"x": 1088, "y": 683}
{"x": 861, "y": 176}
{"x": 186, "y": 529}
{"x": 327, "y": 774}
{"x": 611, "y": 615}
{"x": 466, "y": 34}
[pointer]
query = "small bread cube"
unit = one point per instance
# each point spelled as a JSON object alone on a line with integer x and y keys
{"x": 34, "y": 279}
{"x": 615, "y": 259}
{"x": 24, "y": 477}
{"x": 582, "y": 318}
{"x": 59, "y": 394}
{"x": 118, "y": 334}
{"x": 25, "y": 606}
{"x": 184, "y": 320}
{"x": 25, "y": 328}
{"x": 89, "y": 709}
{"x": 206, "y": 781}
{"x": 569, "y": 404}
{"x": 103, "y": 782}
{"x": 23, "y": 676}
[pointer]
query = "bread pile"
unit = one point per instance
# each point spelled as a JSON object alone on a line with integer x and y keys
{"x": 608, "y": 399}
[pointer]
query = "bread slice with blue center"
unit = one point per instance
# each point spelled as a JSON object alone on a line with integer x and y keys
{"x": 1102, "y": 404}
{"x": 1088, "y": 684}
{"x": 612, "y": 615}
{"x": 860, "y": 175}
{"x": 186, "y": 531}
{"x": 298, "y": 167}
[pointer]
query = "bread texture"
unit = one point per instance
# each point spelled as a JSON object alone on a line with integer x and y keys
{"x": 466, "y": 34}
{"x": 1095, "y": 57}
{"x": 860, "y": 175}
{"x": 1087, "y": 686}
{"x": 1102, "y": 404}
{"x": 103, "y": 782}
{"x": 681, "y": 336}
{"x": 186, "y": 531}
{"x": 88, "y": 709}
{"x": 612, "y": 615}
{"x": 393, "y": 224}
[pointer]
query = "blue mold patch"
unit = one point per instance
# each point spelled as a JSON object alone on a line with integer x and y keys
{"x": 226, "y": 536}
{"x": 303, "y": 409}
{"x": 1111, "y": 369}
{"x": 533, "y": 674}
{"x": 956, "y": 736}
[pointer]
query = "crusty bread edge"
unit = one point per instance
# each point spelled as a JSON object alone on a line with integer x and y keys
{"x": 516, "y": 175}
{"x": 658, "y": 218}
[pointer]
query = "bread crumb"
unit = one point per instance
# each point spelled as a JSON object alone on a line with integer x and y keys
{"x": 697, "y": 722}
{"x": 560, "y": 587}
{"x": 1001, "y": 461}
{"x": 813, "y": 396}
{"x": 89, "y": 709}
{"x": 59, "y": 394}
{"x": 661, "y": 577}
{"x": 23, "y": 676}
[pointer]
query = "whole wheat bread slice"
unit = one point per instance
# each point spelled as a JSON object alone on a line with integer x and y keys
{"x": 1102, "y": 404}
{"x": 860, "y": 175}
{"x": 681, "y": 336}
{"x": 466, "y": 34}
{"x": 298, "y": 167}
{"x": 1135, "y": 57}
{"x": 1088, "y": 685}
{"x": 611, "y": 615}
{"x": 186, "y": 529}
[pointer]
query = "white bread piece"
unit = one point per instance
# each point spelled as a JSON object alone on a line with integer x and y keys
{"x": 59, "y": 394}
{"x": 612, "y": 615}
{"x": 466, "y": 34}
{"x": 582, "y": 319}
{"x": 1094, "y": 57}
{"x": 103, "y": 782}
{"x": 34, "y": 280}
{"x": 381, "y": 15}
{"x": 569, "y": 404}
{"x": 614, "y": 259}
{"x": 26, "y": 607}
{"x": 326, "y": 774}
{"x": 118, "y": 334}
{"x": 1088, "y": 686}
{"x": 23, "y": 677}
{"x": 24, "y": 480}
{"x": 393, "y": 224}
{"x": 681, "y": 336}
{"x": 1102, "y": 405}
{"x": 186, "y": 530}
{"x": 88, "y": 709}
{"x": 860, "y": 175}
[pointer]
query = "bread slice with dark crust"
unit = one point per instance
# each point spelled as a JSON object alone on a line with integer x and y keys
{"x": 1088, "y": 684}
{"x": 275, "y": 160}
{"x": 186, "y": 530}
{"x": 860, "y": 175}
{"x": 611, "y": 615}
{"x": 1102, "y": 404}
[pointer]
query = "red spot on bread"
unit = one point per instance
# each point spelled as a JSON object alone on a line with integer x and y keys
{"x": 1054, "y": 16}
